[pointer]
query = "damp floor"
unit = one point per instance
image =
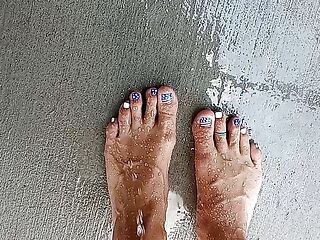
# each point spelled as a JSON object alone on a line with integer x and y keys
{"x": 65, "y": 66}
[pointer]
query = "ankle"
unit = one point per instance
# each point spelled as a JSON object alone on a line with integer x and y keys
{"x": 145, "y": 223}
{"x": 208, "y": 229}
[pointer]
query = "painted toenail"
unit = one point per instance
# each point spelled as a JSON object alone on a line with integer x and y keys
{"x": 154, "y": 92}
{"x": 205, "y": 122}
{"x": 126, "y": 105}
{"x": 237, "y": 122}
{"x": 218, "y": 115}
{"x": 243, "y": 130}
{"x": 166, "y": 97}
{"x": 113, "y": 120}
{"x": 135, "y": 96}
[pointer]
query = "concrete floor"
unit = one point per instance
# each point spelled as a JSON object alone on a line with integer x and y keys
{"x": 66, "y": 66}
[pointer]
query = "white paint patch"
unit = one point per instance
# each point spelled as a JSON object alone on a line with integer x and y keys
{"x": 176, "y": 211}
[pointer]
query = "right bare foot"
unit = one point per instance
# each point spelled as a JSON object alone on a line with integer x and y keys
{"x": 228, "y": 176}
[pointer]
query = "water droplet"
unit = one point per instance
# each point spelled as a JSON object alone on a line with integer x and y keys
{"x": 146, "y": 164}
{"x": 243, "y": 184}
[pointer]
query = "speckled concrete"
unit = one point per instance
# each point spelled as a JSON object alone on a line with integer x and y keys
{"x": 66, "y": 66}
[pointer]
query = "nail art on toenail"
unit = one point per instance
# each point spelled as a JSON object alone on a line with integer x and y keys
{"x": 243, "y": 130}
{"x": 154, "y": 91}
{"x": 218, "y": 115}
{"x": 126, "y": 105}
{"x": 205, "y": 122}
{"x": 113, "y": 120}
{"x": 166, "y": 97}
{"x": 135, "y": 96}
{"x": 237, "y": 122}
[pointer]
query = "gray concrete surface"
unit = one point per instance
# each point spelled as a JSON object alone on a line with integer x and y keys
{"x": 65, "y": 66}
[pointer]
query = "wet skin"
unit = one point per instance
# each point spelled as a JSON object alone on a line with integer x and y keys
{"x": 228, "y": 176}
{"x": 138, "y": 150}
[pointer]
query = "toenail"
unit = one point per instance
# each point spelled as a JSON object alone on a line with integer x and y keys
{"x": 218, "y": 114}
{"x": 243, "y": 130}
{"x": 205, "y": 122}
{"x": 126, "y": 105}
{"x": 113, "y": 120}
{"x": 135, "y": 96}
{"x": 166, "y": 97}
{"x": 237, "y": 122}
{"x": 154, "y": 91}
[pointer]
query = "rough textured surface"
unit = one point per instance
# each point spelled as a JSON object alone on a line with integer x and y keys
{"x": 66, "y": 66}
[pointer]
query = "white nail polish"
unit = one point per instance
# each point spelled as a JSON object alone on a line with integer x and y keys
{"x": 113, "y": 120}
{"x": 218, "y": 115}
{"x": 126, "y": 105}
{"x": 243, "y": 130}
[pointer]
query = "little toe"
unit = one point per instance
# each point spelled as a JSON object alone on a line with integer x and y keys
{"x": 220, "y": 139}
{"x": 111, "y": 130}
{"x": 151, "y": 107}
{"x": 202, "y": 129}
{"x": 136, "y": 109}
{"x": 124, "y": 119}
{"x": 167, "y": 108}
{"x": 244, "y": 141}
{"x": 256, "y": 154}
{"x": 234, "y": 133}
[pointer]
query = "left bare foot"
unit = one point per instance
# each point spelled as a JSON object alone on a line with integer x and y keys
{"x": 138, "y": 150}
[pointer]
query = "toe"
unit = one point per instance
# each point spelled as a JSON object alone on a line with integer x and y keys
{"x": 136, "y": 108}
{"x": 202, "y": 129}
{"x": 167, "y": 108}
{"x": 111, "y": 130}
{"x": 244, "y": 141}
{"x": 151, "y": 107}
{"x": 124, "y": 119}
{"x": 255, "y": 152}
{"x": 220, "y": 139}
{"x": 234, "y": 133}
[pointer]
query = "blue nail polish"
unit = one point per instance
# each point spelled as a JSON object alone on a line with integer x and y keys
{"x": 166, "y": 97}
{"x": 154, "y": 92}
{"x": 205, "y": 122}
{"x": 237, "y": 122}
{"x": 135, "y": 96}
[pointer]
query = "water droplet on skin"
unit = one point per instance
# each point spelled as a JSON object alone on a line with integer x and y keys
{"x": 243, "y": 184}
{"x": 159, "y": 173}
{"x": 146, "y": 164}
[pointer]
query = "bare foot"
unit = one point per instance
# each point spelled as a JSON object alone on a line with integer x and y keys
{"x": 137, "y": 154}
{"x": 228, "y": 176}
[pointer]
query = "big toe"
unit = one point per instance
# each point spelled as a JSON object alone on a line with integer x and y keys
{"x": 202, "y": 130}
{"x": 167, "y": 108}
